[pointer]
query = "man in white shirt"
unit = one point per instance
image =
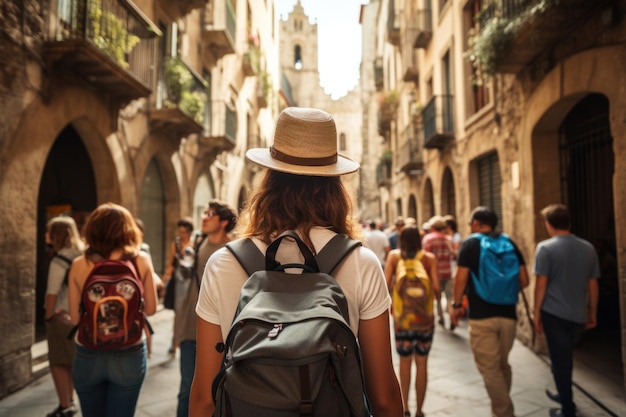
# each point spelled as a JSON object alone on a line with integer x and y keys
{"x": 378, "y": 242}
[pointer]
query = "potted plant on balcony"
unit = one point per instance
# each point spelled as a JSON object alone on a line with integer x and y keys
{"x": 183, "y": 91}
{"x": 110, "y": 35}
{"x": 251, "y": 58}
{"x": 388, "y": 104}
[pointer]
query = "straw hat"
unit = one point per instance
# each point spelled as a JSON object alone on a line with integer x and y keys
{"x": 305, "y": 143}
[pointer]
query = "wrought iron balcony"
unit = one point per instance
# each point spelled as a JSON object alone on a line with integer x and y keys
{"x": 409, "y": 158}
{"x": 220, "y": 131}
{"x": 393, "y": 24}
{"x": 516, "y": 32}
{"x": 219, "y": 28}
{"x": 250, "y": 61}
{"x": 262, "y": 90}
{"x": 109, "y": 44}
{"x": 379, "y": 74}
{"x": 181, "y": 102}
{"x": 185, "y": 6}
{"x": 420, "y": 27}
{"x": 438, "y": 119}
{"x": 387, "y": 110}
{"x": 383, "y": 172}
{"x": 410, "y": 68}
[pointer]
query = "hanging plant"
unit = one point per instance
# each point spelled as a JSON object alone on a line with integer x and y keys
{"x": 496, "y": 37}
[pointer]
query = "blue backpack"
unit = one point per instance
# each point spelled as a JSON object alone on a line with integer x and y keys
{"x": 498, "y": 267}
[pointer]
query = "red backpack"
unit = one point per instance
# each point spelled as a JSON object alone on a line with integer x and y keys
{"x": 112, "y": 306}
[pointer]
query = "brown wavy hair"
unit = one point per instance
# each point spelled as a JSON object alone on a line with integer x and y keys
{"x": 297, "y": 202}
{"x": 110, "y": 227}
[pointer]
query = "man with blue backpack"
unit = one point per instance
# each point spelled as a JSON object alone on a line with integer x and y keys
{"x": 491, "y": 271}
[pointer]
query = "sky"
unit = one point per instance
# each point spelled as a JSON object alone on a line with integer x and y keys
{"x": 339, "y": 40}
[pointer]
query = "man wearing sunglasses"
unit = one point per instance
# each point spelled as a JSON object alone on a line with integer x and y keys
{"x": 218, "y": 220}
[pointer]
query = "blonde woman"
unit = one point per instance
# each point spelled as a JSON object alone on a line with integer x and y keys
{"x": 108, "y": 381}
{"x": 62, "y": 235}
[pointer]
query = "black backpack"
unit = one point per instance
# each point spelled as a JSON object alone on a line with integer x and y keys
{"x": 290, "y": 350}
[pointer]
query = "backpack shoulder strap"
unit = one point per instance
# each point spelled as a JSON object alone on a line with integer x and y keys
{"x": 247, "y": 254}
{"x": 331, "y": 255}
{"x": 65, "y": 259}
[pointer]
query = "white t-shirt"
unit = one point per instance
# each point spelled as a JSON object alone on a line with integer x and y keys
{"x": 359, "y": 276}
{"x": 377, "y": 241}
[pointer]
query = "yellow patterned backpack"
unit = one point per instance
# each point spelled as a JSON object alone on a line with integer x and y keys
{"x": 412, "y": 295}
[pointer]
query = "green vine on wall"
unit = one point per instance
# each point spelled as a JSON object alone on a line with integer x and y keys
{"x": 495, "y": 39}
{"x": 110, "y": 34}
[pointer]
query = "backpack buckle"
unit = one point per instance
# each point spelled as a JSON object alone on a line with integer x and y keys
{"x": 275, "y": 330}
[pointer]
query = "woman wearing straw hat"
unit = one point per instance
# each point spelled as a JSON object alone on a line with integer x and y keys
{"x": 301, "y": 191}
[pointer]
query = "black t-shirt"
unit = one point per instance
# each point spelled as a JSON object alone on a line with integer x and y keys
{"x": 469, "y": 255}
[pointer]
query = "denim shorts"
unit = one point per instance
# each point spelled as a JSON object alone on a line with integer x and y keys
{"x": 108, "y": 382}
{"x": 409, "y": 342}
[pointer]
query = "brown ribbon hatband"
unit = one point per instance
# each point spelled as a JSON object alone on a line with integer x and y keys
{"x": 295, "y": 160}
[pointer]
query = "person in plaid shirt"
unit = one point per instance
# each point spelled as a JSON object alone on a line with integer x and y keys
{"x": 439, "y": 243}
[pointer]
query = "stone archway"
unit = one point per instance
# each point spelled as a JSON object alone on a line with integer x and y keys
{"x": 584, "y": 80}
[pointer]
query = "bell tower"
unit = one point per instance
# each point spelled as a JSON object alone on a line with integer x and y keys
{"x": 299, "y": 57}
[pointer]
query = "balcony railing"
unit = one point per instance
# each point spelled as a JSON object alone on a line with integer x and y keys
{"x": 108, "y": 43}
{"x": 251, "y": 61}
{"x": 410, "y": 69}
{"x": 421, "y": 26}
{"x": 219, "y": 28}
{"x": 185, "y": 6}
{"x": 181, "y": 87}
{"x": 379, "y": 74}
{"x": 221, "y": 127}
{"x": 409, "y": 159}
{"x": 383, "y": 172}
{"x": 387, "y": 110}
{"x": 438, "y": 119}
{"x": 508, "y": 39}
{"x": 263, "y": 88}
{"x": 393, "y": 23}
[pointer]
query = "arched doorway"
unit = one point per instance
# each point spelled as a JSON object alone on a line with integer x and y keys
{"x": 412, "y": 210}
{"x": 67, "y": 187}
{"x": 428, "y": 202}
{"x": 448, "y": 197}
{"x": 587, "y": 168}
{"x": 151, "y": 212}
{"x": 574, "y": 164}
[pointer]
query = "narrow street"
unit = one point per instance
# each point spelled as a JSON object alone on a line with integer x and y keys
{"x": 454, "y": 389}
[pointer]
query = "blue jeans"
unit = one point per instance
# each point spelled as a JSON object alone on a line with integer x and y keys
{"x": 561, "y": 337}
{"x": 187, "y": 369}
{"x": 108, "y": 382}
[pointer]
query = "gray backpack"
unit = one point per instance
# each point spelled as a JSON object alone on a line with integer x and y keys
{"x": 290, "y": 350}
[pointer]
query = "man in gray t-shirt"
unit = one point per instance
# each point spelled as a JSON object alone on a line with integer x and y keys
{"x": 566, "y": 298}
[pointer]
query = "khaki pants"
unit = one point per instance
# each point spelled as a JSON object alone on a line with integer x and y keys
{"x": 491, "y": 341}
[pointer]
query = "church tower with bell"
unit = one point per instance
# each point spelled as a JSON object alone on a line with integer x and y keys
{"x": 299, "y": 57}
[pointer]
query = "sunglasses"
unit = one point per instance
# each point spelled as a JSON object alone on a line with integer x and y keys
{"x": 210, "y": 213}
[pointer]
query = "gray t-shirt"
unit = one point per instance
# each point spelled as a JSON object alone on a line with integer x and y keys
{"x": 569, "y": 262}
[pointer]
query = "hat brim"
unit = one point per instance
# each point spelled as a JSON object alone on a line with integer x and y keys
{"x": 262, "y": 157}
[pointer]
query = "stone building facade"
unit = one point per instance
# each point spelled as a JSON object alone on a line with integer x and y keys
{"x": 150, "y": 104}
{"x": 513, "y": 105}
